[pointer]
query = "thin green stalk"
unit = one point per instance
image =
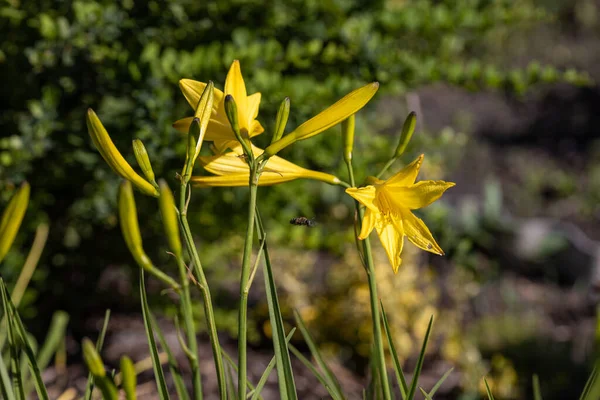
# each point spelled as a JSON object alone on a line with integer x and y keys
{"x": 373, "y": 297}
{"x": 386, "y": 167}
{"x": 244, "y": 289}
{"x": 205, "y": 291}
{"x": 190, "y": 329}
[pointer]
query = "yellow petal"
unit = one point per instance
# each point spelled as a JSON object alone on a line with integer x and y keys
{"x": 192, "y": 90}
{"x": 253, "y": 103}
{"x": 368, "y": 223}
{"x": 418, "y": 233}
{"x": 418, "y": 195}
{"x": 365, "y": 195}
{"x": 392, "y": 239}
{"x": 235, "y": 86}
{"x": 333, "y": 115}
{"x": 407, "y": 175}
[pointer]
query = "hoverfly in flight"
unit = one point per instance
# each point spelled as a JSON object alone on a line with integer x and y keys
{"x": 303, "y": 221}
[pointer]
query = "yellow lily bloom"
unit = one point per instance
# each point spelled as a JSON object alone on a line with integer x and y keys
{"x": 388, "y": 209}
{"x": 219, "y": 127}
{"x": 232, "y": 170}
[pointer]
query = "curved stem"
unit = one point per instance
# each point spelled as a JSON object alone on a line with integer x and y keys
{"x": 205, "y": 291}
{"x": 244, "y": 289}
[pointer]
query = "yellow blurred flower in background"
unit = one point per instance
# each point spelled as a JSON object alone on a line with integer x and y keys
{"x": 219, "y": 127}
{"x": 388, "y": 209}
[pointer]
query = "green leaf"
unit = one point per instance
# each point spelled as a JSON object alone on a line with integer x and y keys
{"x": 5, "y": 386}
{"x": 287, "y": 386}
{"x": 21, "y": 335}
{"x": 234, "y": 367}
{"x": 321, "y": 378}
{"x": 440, "y": 382}
{"x": 56, "y": 334}
{"x": 335, "y": 390}
{"x": 267, "y": 371}
{"x": 158, "y": 372}
{"x": 425, "y": 394}
{"x": 419, "y": 366}
{"x": 487, "y": 389}
{"x": 400, "y": 378}
{"x": 129, "y": 378}
{"x": 173, "y": 366}
{"x": 537, "y": 393}
{"x": 90, "y": 383}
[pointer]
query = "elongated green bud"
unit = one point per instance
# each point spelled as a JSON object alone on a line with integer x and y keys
{"x": 169, "y": 217}
{"x": 282, "y": 118}
{"x": 131, "y": 233}
{"x": 407, "y": 131}
{"x": 348, "y": 137}
{"x": 190, "y": 155}
{"x": 12, "y": 218}
{"x": 129, "y": 378}
{"x": 232, "y": 115}
{"x": 113, "y": 157}
{"x": 198, "y": 129}
{"x": 143, "y": 160}
{"x": 92, "y": 359}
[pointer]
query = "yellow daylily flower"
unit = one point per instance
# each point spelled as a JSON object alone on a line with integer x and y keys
{"x": 232, "y": 170}
{"x": 219, "y": 127}
{"x": 388, "y": 209}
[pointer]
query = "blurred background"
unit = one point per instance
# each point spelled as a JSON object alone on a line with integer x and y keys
{"x": 507, "y": 108}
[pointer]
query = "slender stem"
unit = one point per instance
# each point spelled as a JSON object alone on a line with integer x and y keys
{"x": 373, "y": 297}
{"x": 190, "y": 329}
{"x": 244, "y": 289}
{"x": 386, "y": 167}
{"x": 205, "y": 291}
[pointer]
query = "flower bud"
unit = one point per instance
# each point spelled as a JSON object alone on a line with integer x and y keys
{"x": 282, "y": 118}
{"x": 113, "y": 157}
{"x": 348, "y": 137}
{"x": 190, "y": 155}
{"x": 128, "y": 377}
{"x": 131, "y": 232}
{"x": 12, "y": 218}
{"x": 92, "y": 359}
{"x": 232, "y": 115}
{"x": 407, "y": 131}
{"x": 143, "y": 160}
{"x": 169, "y": 217}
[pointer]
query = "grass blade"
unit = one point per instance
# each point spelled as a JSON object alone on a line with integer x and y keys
{"x": 182, "y": 393}
{"x": 267, "y": 371}
{"x": 326, "y": 384}
{"x": 336, "y": 390}
{"x": 287, "y": 386}
{"x": 13, "y": 345}
{"x": 419, "y": 366}
{"x": 5, "y": 386}
{"x": 400, "y": 378}
{"x": 588, "y": 383}
{"x": 90, "y": 382}
{"x": 537, "y": 393}
{"x": 235, "y": 369}
{"x": 487, "y": 389}
{"x": 425, "y": 394}
{"x": 56, "y": 333}
{"x": 158, "y": 372}
{"x": 440, "y": 382}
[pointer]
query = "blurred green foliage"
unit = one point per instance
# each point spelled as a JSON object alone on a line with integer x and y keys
{"x": 124, "y": 59}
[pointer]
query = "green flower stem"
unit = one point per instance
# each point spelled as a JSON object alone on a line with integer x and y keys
{"x": 190, "y": 329}
{"x": 205, "y": 291}
{"x": 373, "y": 297}
{"x": 244, "y": 289}
{"x": 386, "y": 167}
